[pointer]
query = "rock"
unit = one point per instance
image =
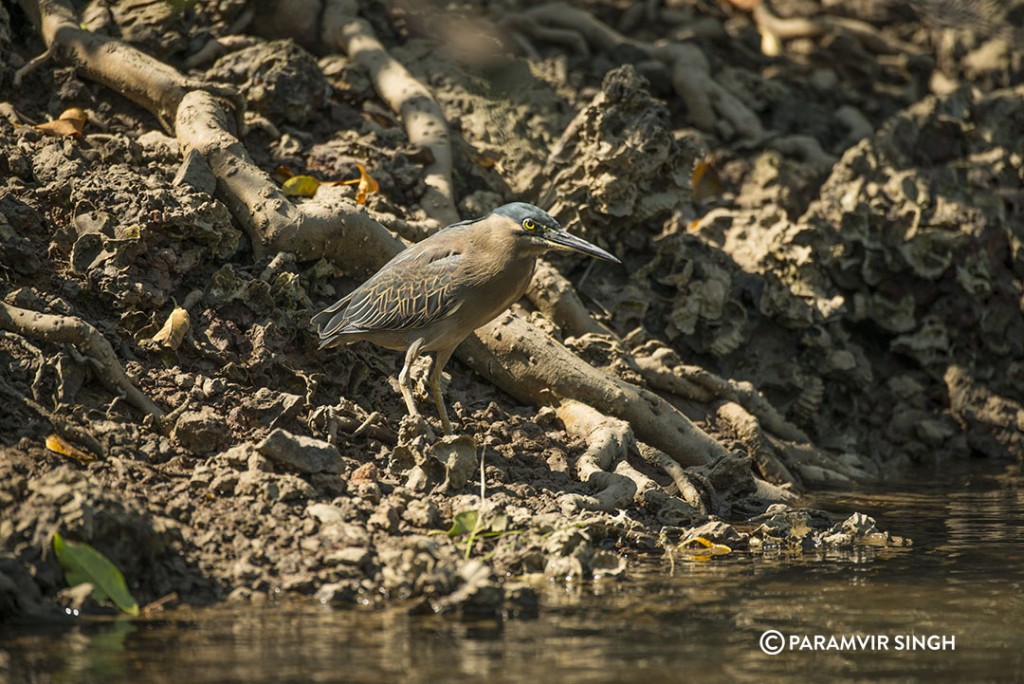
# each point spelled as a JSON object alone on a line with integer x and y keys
{"x": 352, "y": 555}
{"x": 201, "y": 432}
{"x": 386, "y": 517}
{"x": 717, "y": 531}
{"x": 479, "y": 594}
{"x": 196, "y": 172}
{"x": 422, "y": 513}
{"x": 458, "y": 454}
{"x": 305, "y": 454}
{"x": 338, "y": 593}
{"x": 326, "y": 513}
{"x": 273, "y": 487}
{"x": 269, "y": 409}
{"x": 521, "y": 601}
{"x": 78, "y": 600}
{"x": 368, "y": 472}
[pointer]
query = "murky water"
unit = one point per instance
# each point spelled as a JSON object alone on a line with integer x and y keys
{"x": 959, "y": 591}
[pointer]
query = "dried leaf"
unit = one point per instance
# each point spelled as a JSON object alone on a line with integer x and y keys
{"x": 59, "y": 445}
{"x": 300, "y": 186}
{"x": 367, "y": 185}
{"x": 71, "y": 123}
{"x": 481, "y": 159}
{"x": 282, "y": 173}
{"x": 464, "y": 522}
{"x": 705, "y": 181}
{"x": 699, "y": 548}
{"x": 175, "y": 328}
{"x": 771, "y": 45}
{"x": 82, "y": 563}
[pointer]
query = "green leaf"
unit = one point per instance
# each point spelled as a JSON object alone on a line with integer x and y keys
{"x": 82, "y": 563}
{"x": 464, "y": 522}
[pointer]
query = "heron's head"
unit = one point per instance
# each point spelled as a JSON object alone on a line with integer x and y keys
{"x": 536, "y": 231}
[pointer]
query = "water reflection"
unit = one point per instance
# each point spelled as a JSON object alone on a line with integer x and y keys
{"x": 963, "y": 577}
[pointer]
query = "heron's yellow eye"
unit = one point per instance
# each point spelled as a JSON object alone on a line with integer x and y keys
{"x": 529, "y": 224}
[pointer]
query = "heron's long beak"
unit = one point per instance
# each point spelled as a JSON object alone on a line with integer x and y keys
{"x": 563, "y": 240}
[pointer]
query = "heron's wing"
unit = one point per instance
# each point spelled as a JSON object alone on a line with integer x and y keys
{"x": 411, "y": 291}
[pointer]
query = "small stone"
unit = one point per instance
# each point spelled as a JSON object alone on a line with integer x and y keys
{"x": 422, "y": 513}
{"x": 339, "y": 592}
{"x": 196, "y": 172}
{"x": 305, "y": 454}
{"x": 224, "y": 484}
{"x": 368, "y": 472}
{"x": 326, "y": 513}
{"x": 386, "y": 517}
{"x": 201, "y": 432}
{"x": 353, "y": 555}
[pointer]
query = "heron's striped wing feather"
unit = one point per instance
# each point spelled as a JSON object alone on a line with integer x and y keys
{"x": 411, "y": 291}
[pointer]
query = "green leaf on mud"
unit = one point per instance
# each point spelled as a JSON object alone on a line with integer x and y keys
{"x": 82, "y": 563}
{"x": 464, "y": 522}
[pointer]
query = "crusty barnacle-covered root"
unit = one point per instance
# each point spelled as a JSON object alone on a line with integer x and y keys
{"x": 553, "y": 295}
{"x": 135, "y": 75}
{"x": 88, "y": 340}
{"x": 663, "y": 370}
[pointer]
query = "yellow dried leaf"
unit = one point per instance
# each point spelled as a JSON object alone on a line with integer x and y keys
{"x": 699, "y": 548}
{"x": 59, "y": 445}
{"x": 173, "y": 332}
{"x": 74, "y": 114}
{"x": 367, "y": 185}
{"x": 70, "y": 124}
{"x": 300, "y": 186}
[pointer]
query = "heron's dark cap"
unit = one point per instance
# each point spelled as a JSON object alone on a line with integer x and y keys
{"x": 520, "y": 211}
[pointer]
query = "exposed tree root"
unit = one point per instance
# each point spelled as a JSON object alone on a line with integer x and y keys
{"x": 71, "y": 433}
{"x": 120, "y": 67}
{"x": 605, "y": 464}
{"x": 774, "y": 29}
{"x": 995, "y": 424}
{"x": 662, "y": 369}
{"x": 740, "y": 425}
{"x": 525, "y": 362}
{"x": 424, "y": 121}
{"x": 88, "y": 340}
{"x": 608, "y": 442}
{"x": 553, "y": 294}
{"x": 331, "y": 227}
{"x": 684, "y": 486}
{"x": 707, "y": 102}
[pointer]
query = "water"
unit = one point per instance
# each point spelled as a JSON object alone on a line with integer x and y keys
{"x": 963, "y": 579}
